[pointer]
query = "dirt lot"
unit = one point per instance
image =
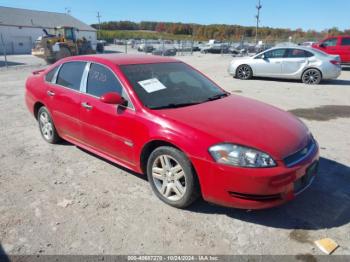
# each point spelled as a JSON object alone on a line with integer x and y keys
{"x": 59, "y": 199}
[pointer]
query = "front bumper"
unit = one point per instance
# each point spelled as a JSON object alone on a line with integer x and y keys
{"x": 254, "y": 188}
{"x": 231, "y": 70}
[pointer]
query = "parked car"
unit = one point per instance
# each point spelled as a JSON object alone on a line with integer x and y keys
{"x": 165, "y": 52}
{"x": 150, "y": 115}
{"x": 215, "y": 49}
{"x": 336, "y": 45}
{"x": 309, "y": 65}
{"x": 307, "y": 44}
{"x": 146, "y": 48}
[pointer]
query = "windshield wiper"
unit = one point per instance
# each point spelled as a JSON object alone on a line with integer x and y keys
{"x": 218, "y": 96}
{"x": 173, "y": 105}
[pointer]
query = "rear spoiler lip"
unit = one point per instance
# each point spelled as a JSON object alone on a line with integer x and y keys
{"x": 37, "y": 72}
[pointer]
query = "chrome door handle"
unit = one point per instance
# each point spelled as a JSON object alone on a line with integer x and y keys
{"x": 50, "y": 93}
{"x": 87, "y": 106}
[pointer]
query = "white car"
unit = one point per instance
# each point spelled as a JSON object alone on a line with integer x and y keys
{"x": 307, "y": 64}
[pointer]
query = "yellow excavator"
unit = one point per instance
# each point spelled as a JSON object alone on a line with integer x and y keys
{"x": 63, "y": 43}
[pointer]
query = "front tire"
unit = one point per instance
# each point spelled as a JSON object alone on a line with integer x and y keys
{"x": 311, "y": 76}
{"x": 172, "y": 177}
{"x": 46, "y": 126}
{"x": 244, "y": 72}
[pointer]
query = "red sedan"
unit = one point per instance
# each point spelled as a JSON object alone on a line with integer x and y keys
{"x": 161, "y": 117}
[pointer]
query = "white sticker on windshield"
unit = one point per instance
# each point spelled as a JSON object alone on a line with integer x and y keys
{"x": 152, "y": 85}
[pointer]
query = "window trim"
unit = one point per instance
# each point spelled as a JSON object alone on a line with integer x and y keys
{"x": 306, "y": 52}
{"x": 263, "y": 53}
{"x": 83, "y": 87}
{"x": 59, "y": 69}
{"x": 54, "y": 77}
{"x": 83, "y": 82}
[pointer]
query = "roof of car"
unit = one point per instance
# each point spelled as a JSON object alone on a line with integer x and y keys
{"x": 124, "y": 59}
{"x": 292, "y": 47}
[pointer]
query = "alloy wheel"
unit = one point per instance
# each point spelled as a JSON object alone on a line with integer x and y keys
{"x": 46, "y": 126}
{"x": 311, "y": 77}
{"x": 244, "y": 72}
{"x": 169, "y": 177}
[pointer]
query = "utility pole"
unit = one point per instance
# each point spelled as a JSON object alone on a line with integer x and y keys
{"x": 257, "y": 17}
{"x": 99, "y": 24}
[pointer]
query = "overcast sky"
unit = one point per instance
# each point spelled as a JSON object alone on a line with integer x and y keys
{"x": 305, "y": 14}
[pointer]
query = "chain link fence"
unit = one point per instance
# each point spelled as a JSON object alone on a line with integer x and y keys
{"x": 244, "y": 47}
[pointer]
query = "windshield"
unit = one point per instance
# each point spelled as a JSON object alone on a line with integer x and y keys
{"x": 170, "y": 85}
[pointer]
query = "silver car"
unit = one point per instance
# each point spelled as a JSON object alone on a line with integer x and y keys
{"x": 307, "y": 64}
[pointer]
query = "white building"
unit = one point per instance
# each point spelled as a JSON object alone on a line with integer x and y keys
{"x": 20, "y": 28}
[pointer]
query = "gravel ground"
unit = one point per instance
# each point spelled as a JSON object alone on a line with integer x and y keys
{"x": 59, "y": 199}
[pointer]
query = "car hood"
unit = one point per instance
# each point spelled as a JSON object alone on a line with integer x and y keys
{"x": 241, "y": 60}
{"x": 236, "y": 119}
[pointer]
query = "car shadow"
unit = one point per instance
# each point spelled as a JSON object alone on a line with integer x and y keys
{"x": 271, "y": 79}
{"x": 324, "y": 82}
{"x": 324, "y": 205}
{"x": 3, "y": 256}
{"x": 142, "y": 176}
{"x": 339, "y": 82}
{"x": 345, "y": 68}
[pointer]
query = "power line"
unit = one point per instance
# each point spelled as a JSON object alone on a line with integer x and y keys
{"x": 257, "y": 17}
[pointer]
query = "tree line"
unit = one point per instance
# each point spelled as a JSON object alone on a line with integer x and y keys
{"x": 219, "y": 31}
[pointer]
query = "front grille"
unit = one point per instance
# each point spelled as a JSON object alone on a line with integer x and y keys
{"x": 300, "y": 155}
{"x": 255, "y": 197}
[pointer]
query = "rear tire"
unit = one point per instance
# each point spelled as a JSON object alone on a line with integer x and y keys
{"x": 311, "y": 76}
{"x": 172, "y": 177}
{"x": 244, "y": 72}
{"x": 46, "y": 126}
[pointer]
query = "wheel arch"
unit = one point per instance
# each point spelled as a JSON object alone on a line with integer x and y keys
{"x": 149, "y": 147}
{"x": 312, "y": 67}
{"x": 37, "y": 106}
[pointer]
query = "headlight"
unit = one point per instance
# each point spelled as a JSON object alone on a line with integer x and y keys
{"x": 236, "y": 155}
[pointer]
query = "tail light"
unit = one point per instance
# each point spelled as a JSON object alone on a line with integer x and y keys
{"x": 335, "y": 62}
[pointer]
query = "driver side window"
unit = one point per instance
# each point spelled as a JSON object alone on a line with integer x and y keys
{"x": 101, "y": 80}
{"x": 276, "y": 53}
{"x": 330, "y": 42}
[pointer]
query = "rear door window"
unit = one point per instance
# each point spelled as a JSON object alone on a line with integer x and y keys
{"x": 49, "y": 76}
{"x": 345, "y": 41}
{"x": 70, "y": 75}
{"x": 299, "y": 53}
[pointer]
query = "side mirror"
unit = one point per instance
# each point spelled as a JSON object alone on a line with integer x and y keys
{"x": 113, "y": 98}
{"x": 322, "y": 45}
